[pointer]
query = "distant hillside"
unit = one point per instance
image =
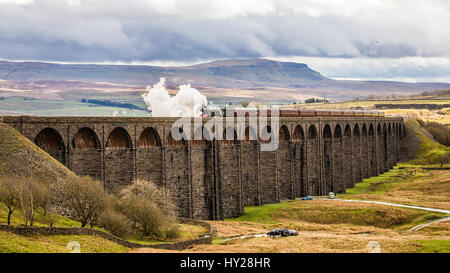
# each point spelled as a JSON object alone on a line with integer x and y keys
{"x": 250, "y": 78}
{"x": 20, "y": 157}
{"x": 222, "y": 74}
{"x": 240, "y": 73}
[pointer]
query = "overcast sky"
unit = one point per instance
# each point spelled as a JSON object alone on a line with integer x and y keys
{"x": 400, "y": 40}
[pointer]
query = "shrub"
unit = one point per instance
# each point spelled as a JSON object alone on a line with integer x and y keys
{"x": 440, "y": 158}
{"x": 146, "y": 217}
{"x": 440, "y": 133}
{"x": 161, "y": 196}
{"x": 117, "y": 223}
{"x": 171, "y": 232}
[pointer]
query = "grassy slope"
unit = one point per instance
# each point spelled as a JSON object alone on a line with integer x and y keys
{"x": 20, "y": 157}
{"x": 335, "y": 212}
{"x": 12, "y": 243}
{"x": 426, "y": 145}
{"x": 17, "y": 219}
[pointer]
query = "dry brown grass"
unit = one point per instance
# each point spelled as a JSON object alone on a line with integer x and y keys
{"x": 429, "y": 191}
{"x": 331, "y": 238}
{"x": 320, "y": 237}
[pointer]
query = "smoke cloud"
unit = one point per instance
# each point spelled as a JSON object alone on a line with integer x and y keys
{"x": 187, "y": 102}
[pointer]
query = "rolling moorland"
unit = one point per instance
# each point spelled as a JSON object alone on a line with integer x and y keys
{"x": 57, "y": 89}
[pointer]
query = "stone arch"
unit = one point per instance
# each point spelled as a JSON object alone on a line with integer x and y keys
{"x": 356, "y": 132}
{"x": 119, "y": 139}
{"x": 49, "y": 140}
{"x": 266, "y": 132}
{"x": 347, "y": 131}
{"x": 357, "y": 169}
{"x": 364, "y": 130}
{"x": 372, "y": 151}
{"x": 299, "y": 135}
{"x": 201, "y": 155}
{"x": 337, "y": 131}
{"x": 229, "y": 136}
{"x": 385, "y": 147}
{"x": 249, "y": 162}
{"x": 371, "y": 130}
{"x": 327, "y": 159}
{"x": 348, "y": 157}
{"x": 327, "y": 131}
{"x": 229, "y": 163}
{"x": 250, "y": 134}
{"x": 86, "y": 148}
{"x": 284, "y": 134}
{"x": 284, "y": 163}
{"x": 313, "y": 162}
{"x": 200, "y": 131}
{"x": 364, "y": 152}
{"x": 85, "y": 139}
{"x": 391, "y": 146}
{"x": 379, "y": 148}
{"x": 312, "y": 132}
{"x": 119, "y": 162}
{"x": 338, "y": 158}
{"x": 299, "y": 147}
{"x": 170, "y": 141}
{"x": 149, "y": 138}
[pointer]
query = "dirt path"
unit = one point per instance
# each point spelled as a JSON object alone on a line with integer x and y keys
{"x": 421, "y": 226}
{"x": 396, "y": 205}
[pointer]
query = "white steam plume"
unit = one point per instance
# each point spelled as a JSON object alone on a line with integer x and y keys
{"x": 187, "y": 102}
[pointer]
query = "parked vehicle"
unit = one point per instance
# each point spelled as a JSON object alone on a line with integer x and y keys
{"x": 282, "y": 232}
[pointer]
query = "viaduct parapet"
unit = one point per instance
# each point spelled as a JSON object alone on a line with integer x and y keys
{"x": 216, "y": 179}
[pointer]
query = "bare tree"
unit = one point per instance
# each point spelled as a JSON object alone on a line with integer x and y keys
{"x": 83, "y": 199}
{"x": 50, "y": 217}
{"x": 29, "y": 198}
{"x": 43, "y": 196}
{"x": 443, "y": 158}
{"x": 9, "y": 195}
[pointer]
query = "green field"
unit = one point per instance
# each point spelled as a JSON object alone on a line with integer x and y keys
{"x": 19, "y": 105}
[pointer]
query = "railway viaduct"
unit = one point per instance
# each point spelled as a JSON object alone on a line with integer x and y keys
{"x": 216, "y": 179}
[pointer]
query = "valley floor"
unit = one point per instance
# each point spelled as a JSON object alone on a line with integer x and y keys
{"x": 339, "y": 226}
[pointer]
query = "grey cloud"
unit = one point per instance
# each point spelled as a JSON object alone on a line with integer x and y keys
{"x": 106, "y": 31}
